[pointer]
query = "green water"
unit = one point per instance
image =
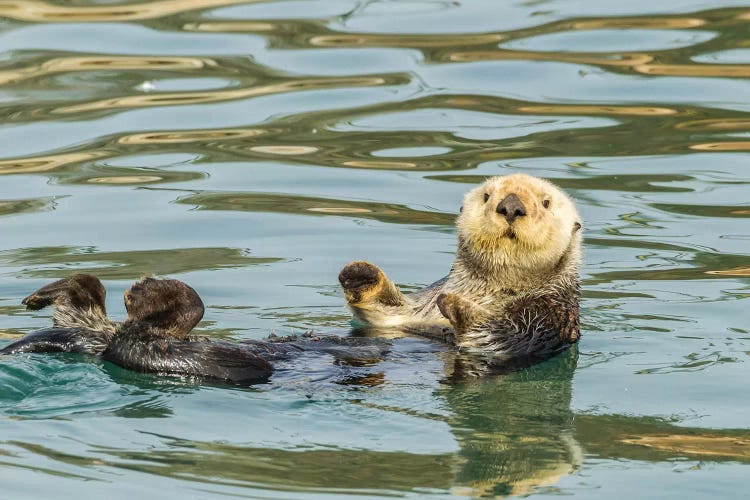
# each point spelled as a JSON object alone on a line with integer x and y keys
{"x": 253, "y": 148}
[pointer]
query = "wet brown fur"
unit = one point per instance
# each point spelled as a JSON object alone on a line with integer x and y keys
{"x": 156, "y": 336}
{"x": 513, "y": 288}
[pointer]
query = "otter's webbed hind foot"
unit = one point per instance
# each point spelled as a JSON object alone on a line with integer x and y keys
{"x": 79, "y": 302}
{"x": 80, "y": 291}
{"x": 80, "y": 320}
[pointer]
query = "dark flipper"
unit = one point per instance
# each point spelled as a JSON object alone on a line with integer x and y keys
{"x": 227, "y": 361}
{"x": 79, "y": 302}
{"x": 76, "y": 340}
{"x": 80, "y": 291}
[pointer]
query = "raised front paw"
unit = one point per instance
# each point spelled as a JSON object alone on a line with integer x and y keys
{"x": 360, "y": 276}
{"x": 360, "y": 279}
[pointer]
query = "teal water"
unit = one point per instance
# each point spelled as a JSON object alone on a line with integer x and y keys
{"x": 252, "y": 148}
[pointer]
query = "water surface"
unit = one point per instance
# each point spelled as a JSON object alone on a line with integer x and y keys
{"x": 252, "y": 148}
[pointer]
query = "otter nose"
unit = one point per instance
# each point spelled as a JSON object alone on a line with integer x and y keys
{"x": 511, "y": 208}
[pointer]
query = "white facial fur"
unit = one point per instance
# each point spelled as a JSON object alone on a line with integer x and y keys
{"x": 536, "y": 240}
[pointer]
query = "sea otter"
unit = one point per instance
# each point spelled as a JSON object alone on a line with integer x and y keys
{"x": 156, "y": 338}
{"x": 513, "y": 289}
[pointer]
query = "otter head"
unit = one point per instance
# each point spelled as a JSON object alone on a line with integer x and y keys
{"x": 163, "y": 307}
{"x": 520, "y": 221}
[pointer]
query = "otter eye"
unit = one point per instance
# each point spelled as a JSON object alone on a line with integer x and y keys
{"x": 486, "y": 197}
{"x": 545, "y": 203}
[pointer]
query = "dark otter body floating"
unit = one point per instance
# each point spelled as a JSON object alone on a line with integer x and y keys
{"x": 155, "y": 336}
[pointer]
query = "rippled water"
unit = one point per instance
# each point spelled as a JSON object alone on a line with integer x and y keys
{"x": 251, "y": 148}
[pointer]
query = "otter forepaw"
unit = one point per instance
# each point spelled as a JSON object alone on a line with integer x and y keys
{"x": 360, "y": 278}
{"x": 460, "y": 312}
{"x": 447, "y": 302}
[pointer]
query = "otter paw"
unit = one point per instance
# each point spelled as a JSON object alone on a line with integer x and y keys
{"x": 447, "y": 302}
{"x": 360, "y": 276}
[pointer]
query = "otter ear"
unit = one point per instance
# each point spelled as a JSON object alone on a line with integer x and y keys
{"x": 461, "y": 210}
{"x": 576, "y": 226}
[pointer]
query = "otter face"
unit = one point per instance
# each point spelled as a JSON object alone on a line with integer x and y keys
{"x": 167, "y": 307}
{"x": 519, "y": 220}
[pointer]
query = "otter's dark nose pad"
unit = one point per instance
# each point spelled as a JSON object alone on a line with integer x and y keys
{"x": 511, "y": 208}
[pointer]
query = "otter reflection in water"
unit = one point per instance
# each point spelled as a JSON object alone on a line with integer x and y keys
{"x": 156, "y": 338}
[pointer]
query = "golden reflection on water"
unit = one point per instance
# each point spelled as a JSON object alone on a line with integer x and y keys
{"x": 285, "y": 150}
{"x": 700, "y": 70}
{"x": 727, "y": 447}
{"x": 197, "y": 97}
{"x": 190, "y": 136}
{"x": 130, "y": 179}
{"x": 231, "y": 26}
{"x": 309, "y": 205}
{"x": 105, "y": 63}
{"x": 716, "y": 124}
{"x": 723, "y": 146}
{"x": 639, "y": 23}
{"x": 599, "y": 59}
{"x": 593, "y": 109}
{"x": 49, "y": 162}
{"x": 40, "y": 12}
{"x": 740, "y": 271}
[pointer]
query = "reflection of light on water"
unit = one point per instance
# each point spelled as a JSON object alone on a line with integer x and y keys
{"x": 47, "y": 163}
{"x": 38, "y": 11}
{"x": 638, "y": 22}
{"x": 180, "y": 98}
{"x": 380, "y": 164}
{"x": 285, "y": 150}
{"x": 716, "y": 124}
{"x": 723, "y": 146}
{"x": 401, "y": 40}
{"x": 146, "y": 86}
{"x": 126, "y": 179}
{"x": 187, "y": 136}
{"x": 228, "y": 26}
{"x": 718, "y": 70}
{"x": 595, "y": 109}
{"x": 104, "y": 63}
{"x": 339, "y": 210}
{"x": 626, "y": 60}
{"x": 726, "y": 446}
{"x": 740, "y": 271}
